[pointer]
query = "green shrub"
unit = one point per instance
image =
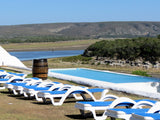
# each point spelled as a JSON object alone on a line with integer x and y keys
{"x": 76, "y": 59}
{"x": 98, "y": 63}
{"x": 141, "y": 73}
{"x": 92, "y": 63}
{"x": 130, "y": 49}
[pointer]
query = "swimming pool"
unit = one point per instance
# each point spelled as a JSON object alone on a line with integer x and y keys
{"x": 139, "y": 85}
{"x": 105, "y": 76}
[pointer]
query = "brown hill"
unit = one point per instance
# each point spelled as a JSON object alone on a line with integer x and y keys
{"x": 83, "y": 30}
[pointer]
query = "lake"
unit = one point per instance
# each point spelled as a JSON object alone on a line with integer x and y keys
{"x": 30, "y": 55}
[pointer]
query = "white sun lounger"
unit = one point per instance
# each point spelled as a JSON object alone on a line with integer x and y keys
{"x": 95, "y": 106}
{"x": 9, "y": 85}
{"x": 126, "y": 113}
{"x": 10, "y": 77}
{"x": 152, "y": 114}
{"x": 59, "y": 87}
{"x": 63, "y": 93}
{"x": 31, "y": 91}
{"x": 18, "y": 87}
{"x": 21, "y": 81}
{"x": 18, "y": 74}
{"x": 2, "y": 72}
{"x": 145, "y": 116}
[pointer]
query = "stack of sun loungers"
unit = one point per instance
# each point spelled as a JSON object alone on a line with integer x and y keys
{"x": 7, "y": 77}
{"x": 107, "y": 104}
{"x": 35, "y": 87}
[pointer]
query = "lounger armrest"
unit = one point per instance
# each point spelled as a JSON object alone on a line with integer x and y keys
{"x": 155, "y": 108}
{"x": 13, "y": 78}
{"x": 142, "y": 103}
{"x": 55, "y": 87}
{"x": 66, "y": 87}
{"x": 105, "y": 91}
{"x": 122, "y": 100}
{"x": 107, "y": 97}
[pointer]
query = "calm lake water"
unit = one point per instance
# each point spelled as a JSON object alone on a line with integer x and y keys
{"x": 30, "y": 55}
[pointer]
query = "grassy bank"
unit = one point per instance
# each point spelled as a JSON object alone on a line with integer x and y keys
{"x": 62, "y": 45}
{"x": 75, "y": 62}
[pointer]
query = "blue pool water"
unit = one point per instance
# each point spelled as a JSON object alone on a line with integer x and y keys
{"x": 104, "y": 76}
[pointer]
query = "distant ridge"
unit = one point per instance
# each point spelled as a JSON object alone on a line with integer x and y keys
{"x": 83, "y": 30}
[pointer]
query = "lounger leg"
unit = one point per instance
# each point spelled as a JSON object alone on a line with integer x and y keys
{"x": 59, "y": 103}
{"x": 10, "y": 90}
{"x": 44, "y": 100}
{"x": 103, "y": 117}
{"x": 25, "y": 95}
{"x": 15, "y": 92}
{"x": 1, "y": 86}
{"x": 30, "y": 97}
{"x": 77, "y": 97}
{"x": 82, "y": 112}
{"x": 37, "y": 98}
{"x": 85, "y": 98}
{"x": 20, "y": 92}
{"x": 113, "y": 118}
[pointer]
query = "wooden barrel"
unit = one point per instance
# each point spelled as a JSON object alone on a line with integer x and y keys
{"x": 40, "y": 68}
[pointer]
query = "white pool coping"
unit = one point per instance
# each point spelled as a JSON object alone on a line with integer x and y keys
{"x": 147, "y": 89}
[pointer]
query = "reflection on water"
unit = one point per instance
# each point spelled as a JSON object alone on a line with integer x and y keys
{"x": 30, "y": 55}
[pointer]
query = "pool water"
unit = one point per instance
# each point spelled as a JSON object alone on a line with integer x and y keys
{"x": 104, "y": 75}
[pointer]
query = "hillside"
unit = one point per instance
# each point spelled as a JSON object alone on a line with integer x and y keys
{"x": 68, "y": 31}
